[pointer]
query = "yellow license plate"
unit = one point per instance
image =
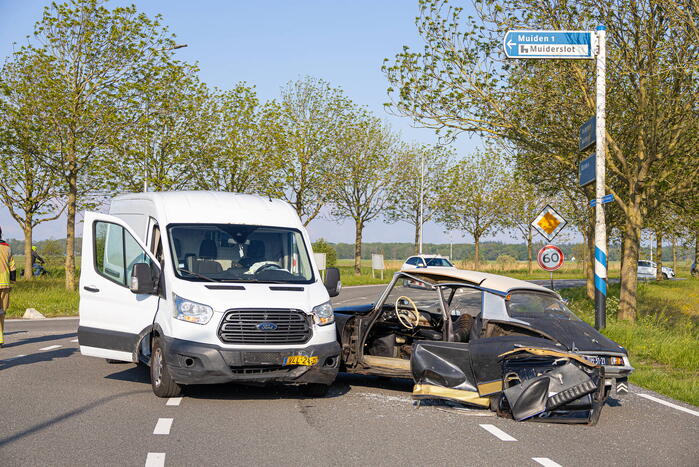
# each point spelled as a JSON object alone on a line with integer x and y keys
{"x": 300, "y": 360}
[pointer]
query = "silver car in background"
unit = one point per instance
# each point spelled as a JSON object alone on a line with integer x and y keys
{"x": 648, "y": 270}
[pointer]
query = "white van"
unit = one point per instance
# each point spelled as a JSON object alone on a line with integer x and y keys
{"x": 207, "y": 287}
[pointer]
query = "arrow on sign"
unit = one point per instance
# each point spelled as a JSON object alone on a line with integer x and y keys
{"x": 604, "y": 200}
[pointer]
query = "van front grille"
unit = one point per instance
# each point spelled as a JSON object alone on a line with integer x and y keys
{"x": 271, "y": 327}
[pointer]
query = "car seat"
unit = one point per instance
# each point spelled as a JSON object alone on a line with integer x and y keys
{"x": 208, "y": 252}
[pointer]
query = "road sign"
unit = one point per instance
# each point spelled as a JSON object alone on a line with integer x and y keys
{"x": 548, "y": 44}
{"x": 587, "y": 173}
{"x": 604, "y": 200}
{"x": 550, "y": 258}
{"x": 587, "y": 134}
{"x": 549, "y": 223}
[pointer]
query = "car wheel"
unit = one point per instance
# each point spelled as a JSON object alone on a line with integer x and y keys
{"x": 665, "y": 277}
{"x": 160, "y": 380}
{"x": 315, "y": 390}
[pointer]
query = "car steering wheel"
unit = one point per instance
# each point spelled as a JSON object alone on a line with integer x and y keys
{"x": 409, "y": 318}
{"x": 267, "y": 266}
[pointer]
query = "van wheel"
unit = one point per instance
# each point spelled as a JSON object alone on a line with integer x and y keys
{"x": 665, "y": 276}
{"x": 315, "y": 390}
{"x": 160, "y": 380}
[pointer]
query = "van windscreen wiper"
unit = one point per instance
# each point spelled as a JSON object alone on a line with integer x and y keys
{"x": 201, "y": 276}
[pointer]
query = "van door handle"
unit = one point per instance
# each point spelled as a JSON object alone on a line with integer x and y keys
{"x": 91, "y": 288}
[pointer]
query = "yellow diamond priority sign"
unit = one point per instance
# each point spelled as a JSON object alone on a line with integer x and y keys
{"x": 549, "y": 223}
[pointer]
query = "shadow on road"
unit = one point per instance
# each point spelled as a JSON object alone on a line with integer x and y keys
{"x": 37, "y": 358}
{"x": 34, "y": 340}
{"x": 229, "y": 391}
{"x": 79, "y": 411}
{"x": 133, "y": 374}
{"x": 378, "y": 382}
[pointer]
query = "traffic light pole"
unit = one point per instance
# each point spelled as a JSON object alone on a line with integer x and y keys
{"x": 600, "y": 223}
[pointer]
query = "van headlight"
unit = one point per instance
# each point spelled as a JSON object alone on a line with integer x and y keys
{"x": 192, "y": 312}
{"x": 323, "y": 314}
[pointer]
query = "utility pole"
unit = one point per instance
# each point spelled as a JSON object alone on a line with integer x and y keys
{"x": 600, "y": 223}
{"x": 422, "y": 194}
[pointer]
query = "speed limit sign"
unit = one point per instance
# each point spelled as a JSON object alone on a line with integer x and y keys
{"x": 550, "y": 258}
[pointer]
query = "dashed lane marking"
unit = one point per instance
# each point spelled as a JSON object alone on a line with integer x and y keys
{"x": 174, "y": 401}
{"x": 74, "y": 340}
{"x": 15, "y": 357}
{"x": 497, "y": 432}
{"x": 545, "y": 461}
{"x": 163, "y": 426}
{"x": 51, "y": 347}
{"x": 155, "y": 459}
{"x": 670, "y": 404}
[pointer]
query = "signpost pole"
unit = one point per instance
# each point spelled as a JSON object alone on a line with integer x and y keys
{"x": 600, "y": 227}
{"x": 552, "y": 281}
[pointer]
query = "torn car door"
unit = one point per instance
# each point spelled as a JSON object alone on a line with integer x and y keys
{"x": 520, "y": 377}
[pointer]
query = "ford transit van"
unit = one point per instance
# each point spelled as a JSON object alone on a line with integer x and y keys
{"x": 207, "y": 287}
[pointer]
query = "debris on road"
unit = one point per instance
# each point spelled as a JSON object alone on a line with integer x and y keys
{"x": 33, "y": 313}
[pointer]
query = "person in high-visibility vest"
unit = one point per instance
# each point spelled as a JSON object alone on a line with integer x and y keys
{"x": 8, "y": 274}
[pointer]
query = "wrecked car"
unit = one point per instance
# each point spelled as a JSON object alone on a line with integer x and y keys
{"x": 484, "y": 340}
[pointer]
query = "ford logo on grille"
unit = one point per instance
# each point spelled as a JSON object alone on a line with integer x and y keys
{"x": 267, "y": 326}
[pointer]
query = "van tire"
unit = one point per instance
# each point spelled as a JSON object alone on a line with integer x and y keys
{"x": 160, "y": 380}
{"x": 315, "y": 390}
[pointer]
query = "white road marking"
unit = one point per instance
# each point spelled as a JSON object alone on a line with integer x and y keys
{"x": 163, "y": 426}
{"x": 670, "y": 404}
{"x": 15, "y": 357}
{"x": 74, "y": 340}
{"x": 51, "y": 347}
{"x": 497, "y": 432}
{"x": 545, "y": 461}
{"x": 155, "y": 459}
{"x": 175, "y": 401}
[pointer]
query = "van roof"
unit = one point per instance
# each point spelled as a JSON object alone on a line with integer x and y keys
{"x": 215, "y": 207}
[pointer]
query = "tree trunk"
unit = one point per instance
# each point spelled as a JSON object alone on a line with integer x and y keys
{"x": 631, "y": 239}
{"x": 70, "y": 232}
{"x": 359, "y": 226}
{"x": 477, "y": 252}
{"x": 659, "y": 262}
{"x": 529, "y": 251}
{"x": 417, "y": 237}
{"x": 28, "y": 231}
{"x": 696, "y": 252}
{"x": 590, "y": 253}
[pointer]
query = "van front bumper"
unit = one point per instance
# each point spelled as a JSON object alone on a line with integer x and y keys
{"x": 196, "y": 363}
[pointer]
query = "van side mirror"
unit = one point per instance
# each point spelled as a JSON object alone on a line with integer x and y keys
{"x": 144, "y": 279}
{"x": 333, "y": 282}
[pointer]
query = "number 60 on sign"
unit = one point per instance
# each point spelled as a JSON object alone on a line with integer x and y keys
{"x": 550, "y": 258}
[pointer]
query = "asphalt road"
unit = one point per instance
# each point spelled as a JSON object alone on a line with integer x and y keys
{"x": 60, "y": 408}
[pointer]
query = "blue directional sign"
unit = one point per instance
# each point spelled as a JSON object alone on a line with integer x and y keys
{"x": 604, "y": 200}
{"x": 548, "y": 44}
{"x": 588, "y": 134}
{"x": 587, "y": 170}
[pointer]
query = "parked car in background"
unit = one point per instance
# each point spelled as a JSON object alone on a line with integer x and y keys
{"x": 427, "y": 261}
{"x": 648, "y": 270}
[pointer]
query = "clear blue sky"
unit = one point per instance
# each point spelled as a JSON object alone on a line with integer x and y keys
{"x": 268, "y": 43}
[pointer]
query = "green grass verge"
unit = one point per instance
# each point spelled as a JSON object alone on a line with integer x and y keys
{"x": 46, "y": 294}
{"x": 663, "y": 344}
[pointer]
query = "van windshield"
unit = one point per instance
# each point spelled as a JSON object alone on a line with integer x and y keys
{"x": 239, "y": 253}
